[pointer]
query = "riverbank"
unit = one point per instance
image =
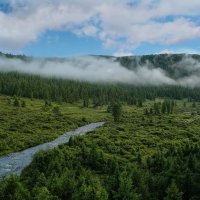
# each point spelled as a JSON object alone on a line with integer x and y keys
{"x": 14, "y": 163}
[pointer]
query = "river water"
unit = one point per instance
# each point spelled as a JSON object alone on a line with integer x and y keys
{"x": 14, "y": 163}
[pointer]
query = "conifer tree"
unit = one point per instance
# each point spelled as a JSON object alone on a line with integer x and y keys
{"x": 116, "y": 111}
{"x": 173, "y": 192}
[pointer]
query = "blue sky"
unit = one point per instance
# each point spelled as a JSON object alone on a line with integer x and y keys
{"x": 61, "y": 44}
{"x": 107, "y": 27}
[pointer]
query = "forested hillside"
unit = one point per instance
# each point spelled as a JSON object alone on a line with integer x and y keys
{"x": 176, "y": 65}
{"x": 33, "y": 86}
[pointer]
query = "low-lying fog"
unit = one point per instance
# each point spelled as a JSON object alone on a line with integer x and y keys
{"x": 99, "y": 69}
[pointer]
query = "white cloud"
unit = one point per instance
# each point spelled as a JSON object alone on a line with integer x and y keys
{"x": 164, "y": 33}
{"x": 178, "y": 51}
{"x": 122, "y": 53}
{"x": 90, "y": 69}
{"x": 117, "y": 24}
{"x": 167, "y": 51}
{"x": 88, "y": 30}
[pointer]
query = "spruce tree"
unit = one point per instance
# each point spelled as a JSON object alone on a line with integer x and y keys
{"x": 173, "y": 193}
{"x": 116, "y": 111}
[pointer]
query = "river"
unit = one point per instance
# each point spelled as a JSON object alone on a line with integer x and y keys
{"x": 14, "y": 163}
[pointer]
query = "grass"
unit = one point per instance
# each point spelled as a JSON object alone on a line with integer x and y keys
{"x": 138, "y": 133}
{"x": 23, "y": 127}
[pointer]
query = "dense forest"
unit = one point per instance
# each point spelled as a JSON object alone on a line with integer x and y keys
{"x": 33, "y": 86}
{"x": 80, "y": 171}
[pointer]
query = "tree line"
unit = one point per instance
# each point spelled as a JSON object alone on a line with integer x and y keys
{"x": 33, "y": 86}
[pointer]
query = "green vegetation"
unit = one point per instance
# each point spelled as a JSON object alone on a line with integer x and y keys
{"x": 154, "y": 156}
{"x": 25, "y": 122}
{"x": 149, "y": 149}
{"x": 116, "y": 111}
{"x": 60, "y": 90}
{"x": 165, "y": 62}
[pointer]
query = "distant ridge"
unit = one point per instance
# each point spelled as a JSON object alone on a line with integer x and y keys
{"x": 175, "y": 66}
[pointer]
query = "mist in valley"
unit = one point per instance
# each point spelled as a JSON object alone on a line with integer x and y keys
{"x": 107, "y": 70}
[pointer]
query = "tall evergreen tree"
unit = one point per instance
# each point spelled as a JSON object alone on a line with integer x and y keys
{"x": 173, "y": 192}
{"x": 116, "y": 111}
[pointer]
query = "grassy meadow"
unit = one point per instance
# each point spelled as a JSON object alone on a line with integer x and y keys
{"x": 138, "y": 133}
{"x": 23, "y": 127}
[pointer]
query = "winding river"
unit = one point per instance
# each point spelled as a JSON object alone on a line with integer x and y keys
{"x": 14, "y": 163}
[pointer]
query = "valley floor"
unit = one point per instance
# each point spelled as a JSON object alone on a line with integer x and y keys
{"x": 38, "y": 122}
{"x": 142, "y": 156}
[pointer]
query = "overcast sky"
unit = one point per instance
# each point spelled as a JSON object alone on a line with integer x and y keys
{"x": 114, "y": 27}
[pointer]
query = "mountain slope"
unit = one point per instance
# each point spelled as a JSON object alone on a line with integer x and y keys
{"x": 163, "y": 69}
